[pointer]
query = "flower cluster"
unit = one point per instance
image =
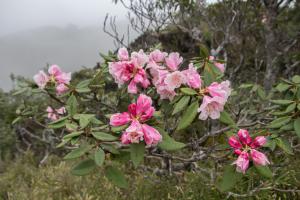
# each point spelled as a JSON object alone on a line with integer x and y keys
{"x": 55, "y": 76}
{"x": 130, "y": 70}
{"x": 166, "y": 78}
{"x": 215, "y": 97}
{"x": 55, "y": 114}
{"x": 163, "y": 68}
{"x": 138, "y": 113}
{"x": 245, "y": 148}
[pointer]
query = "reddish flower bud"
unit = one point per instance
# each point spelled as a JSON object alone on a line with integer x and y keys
{"x": 258, "y": 142}
{"x": 244, "y": 136}
{"x": 234, "y": 142}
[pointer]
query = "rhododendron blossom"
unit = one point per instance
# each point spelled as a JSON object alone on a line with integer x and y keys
{"x": 55, "y": 114}
{"x": 56, "y": 76}
{"x": 130, "y": 71}
{"x": 245, "y": 147}
{"x": 157, "y": 56}
{"x": 211, "y": 107}
{"x": 213, "y": 104}
{"x": 138, "y": 113}
{"x": 192, "y": 77}
{"x": 220, "y": 66}
{"x": 173, "y": 61}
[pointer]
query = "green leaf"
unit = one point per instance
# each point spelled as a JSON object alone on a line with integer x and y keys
{"x": 168, "y": 143}
{"x": 279, "y": 122}
{"x": 282, "y": 102}
{"x": 288, "y": 127}
{"x": 296, "y": 79}
{"x": 99, "y": 157}
{"x": 188, "y": 91}
{"x": 83, "y": 168}
{"x": 16, "y": 120}
{"x": 264, "y": 171}
{"x": 229, "y": 179}
{"x": 137, "y": 152}
{"x": 83, "y": 84}
{"x": 291, "y": 108}
{"x": 72, "y": 105}
{"x": 281, "y": 87}
{"x": 83, "y": 90}
{"x": 284, "y": 145}
{"x": 111, "y": 148}
{"x": 226, "y": 118}
{"x": 104, "y": 136}
{"x": 297, "y": 126}
{"x": 63, "y": 143}
{"x": 84, "y": 120}
{"x": 204, "y": 53}
{"x": 116, "y": 177}
{"x": 188, "y": 116}
{"x": 261, "y": 93}
{"x": 58, "y": 123}
{"x": 207, "y": 75}
{"x": 20, "y": 91}
{"x": 181, "y": 104}
{"x": 245, "y": 85}
{"x": 73, "y": 134}
{"x": 77, "y": 152}
{"x": 117, "y": 129}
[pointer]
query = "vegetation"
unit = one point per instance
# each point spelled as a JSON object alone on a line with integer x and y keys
{"x": 73, "y": 149}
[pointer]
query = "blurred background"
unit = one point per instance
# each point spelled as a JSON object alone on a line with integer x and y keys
{"x": 66, "y": 32}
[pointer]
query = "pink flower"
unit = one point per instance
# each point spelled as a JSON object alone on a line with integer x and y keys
{"x": 151, "y": 136}
{"x": 234, "y": 142}
{"x": 54, "y": 115}
{"x": 157, "y": 56}
{"x": 56, "y": 75}
{"x": 173, "y": 61}
{"x": 244, "y": 144}
{"x": 211, "y": 107}
{"x": 244, "y": 137}
{"x": 259, "y": 158}
{"x": 165, "y": 92}
{"x": 41, "y": 79}
{"x": 133, "y": 134}
{"x": 127, "y": 71}
{"x": 64, "y": 78}
{"x": 221, "y": 90}
{"x": 174, "y": 80}
{"x": 123, "y": 54}
{"x": 192, "y": 77}
{"x": 138, "y": 113}
{"x": 259, "y": 141}
{"x": 120, "y": 119}
{"x": 220, "y": 66}
{"x": 61, "y": 89}
{"x": 139, "y": 58}
{"x": 242, "y": 163}
{"x": 54, "y": 70}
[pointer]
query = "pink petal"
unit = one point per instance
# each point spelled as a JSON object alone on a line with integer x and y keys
{"x": 151, "y": 136}
{"x": 119, "y": 119}
{"x": 244, "y": 137}
{"x": 259, "y": 158}
{"x": 234, "y": 142}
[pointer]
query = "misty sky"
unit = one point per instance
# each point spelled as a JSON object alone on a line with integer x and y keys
{"x": 64, "y": 32}
{"x": 16, "y": 15}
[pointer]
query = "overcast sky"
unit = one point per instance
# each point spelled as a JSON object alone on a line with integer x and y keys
{"x": 16, "y": 15}
{"x": 36, "y": 32}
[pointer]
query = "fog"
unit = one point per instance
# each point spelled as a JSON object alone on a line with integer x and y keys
{"x": 69, "y": 33}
